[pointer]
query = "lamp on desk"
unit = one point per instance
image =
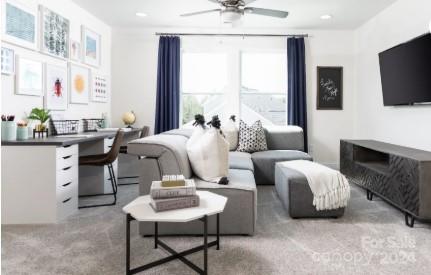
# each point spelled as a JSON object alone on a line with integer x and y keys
{"x": 129, "y": 118}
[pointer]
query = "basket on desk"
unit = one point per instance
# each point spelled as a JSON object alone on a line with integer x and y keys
{"x": 92, "y": 124}
{"x": 64, "y": 127}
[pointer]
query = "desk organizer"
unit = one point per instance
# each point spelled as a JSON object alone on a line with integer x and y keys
{"x": 64, "y": 127}
{"x": 92, "y": 124}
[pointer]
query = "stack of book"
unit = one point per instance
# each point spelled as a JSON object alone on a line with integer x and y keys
{"x": 173, "y": 192}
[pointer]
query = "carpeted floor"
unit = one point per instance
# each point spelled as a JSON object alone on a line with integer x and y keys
{"x": 370, "y": 239}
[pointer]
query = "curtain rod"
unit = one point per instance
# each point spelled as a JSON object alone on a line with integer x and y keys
{"x": 234, "y": 34}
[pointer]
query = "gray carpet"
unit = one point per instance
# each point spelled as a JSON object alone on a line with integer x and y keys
{"x": 370, "y": 239}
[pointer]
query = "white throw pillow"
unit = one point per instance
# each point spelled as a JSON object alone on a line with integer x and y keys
{"x": 208, "y": 152}
{"x": 230, "y": 131}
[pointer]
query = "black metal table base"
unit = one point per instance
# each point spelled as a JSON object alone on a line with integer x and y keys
{"x": 174, "y": 254}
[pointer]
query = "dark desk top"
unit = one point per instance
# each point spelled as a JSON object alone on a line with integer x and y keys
{"x": 67, "y": 140}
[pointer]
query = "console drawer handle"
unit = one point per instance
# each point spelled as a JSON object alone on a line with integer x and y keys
{"x": 66, "y": 200}
{"x": 66, "y": 146}
{"x": 67, "y": 157}
{"x": 67, "y": 168}
{"x": 66, "y": 184}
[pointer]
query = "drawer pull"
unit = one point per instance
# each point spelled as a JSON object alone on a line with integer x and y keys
{"x": 66, "y": 200}
{"x": 66, "y": 146}
{"x": 67, "y": 157}
{"x": 67, "y": 168}
{"x": 66, "y": 184}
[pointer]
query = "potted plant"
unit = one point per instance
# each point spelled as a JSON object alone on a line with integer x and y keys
{"x": 40, "y": 114}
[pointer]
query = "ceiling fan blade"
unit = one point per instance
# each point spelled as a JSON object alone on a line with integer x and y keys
{"x": 200, "y": 12}
{"x": 266, "y": 12}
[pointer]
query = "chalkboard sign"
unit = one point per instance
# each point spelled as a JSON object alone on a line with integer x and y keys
{"x": 329, "y": 88}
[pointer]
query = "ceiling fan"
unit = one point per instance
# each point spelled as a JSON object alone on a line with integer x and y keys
{"x": 233, "y": 10}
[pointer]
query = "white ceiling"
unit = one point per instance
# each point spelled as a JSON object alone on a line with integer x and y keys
{"x": 304, "y": 14}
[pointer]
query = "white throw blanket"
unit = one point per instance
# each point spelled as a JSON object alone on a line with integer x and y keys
{"x": 330, "y": 188}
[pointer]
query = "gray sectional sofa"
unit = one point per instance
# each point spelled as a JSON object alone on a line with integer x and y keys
{"x": 166, "y": 154}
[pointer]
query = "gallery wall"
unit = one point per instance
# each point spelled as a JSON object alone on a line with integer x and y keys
{"x": 20, "y": 105}
{"x": 407, "y": 125}
{"x": 134, "y": 77}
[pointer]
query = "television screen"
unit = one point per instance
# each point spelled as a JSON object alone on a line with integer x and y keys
{"x": 405, "y": 71}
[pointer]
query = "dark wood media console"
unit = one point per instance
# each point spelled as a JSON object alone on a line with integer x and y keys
{"x": 399, "y": 175}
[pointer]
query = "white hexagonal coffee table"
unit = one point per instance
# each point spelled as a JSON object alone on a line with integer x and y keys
{"x": 141, "y": 211}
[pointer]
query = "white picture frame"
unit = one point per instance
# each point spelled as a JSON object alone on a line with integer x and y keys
{"x": 56, "y": 87}
{"x": 75, "y": 50}
{"x": 7, "y": 61}
{"x": 54, "y": 33}
{"x": 24, "y": 17}
{"x": 91, "y": 47}
{"x": 29, "y": 77}
{"x": 79, "y": 83}
{"x": 100, "y": 88}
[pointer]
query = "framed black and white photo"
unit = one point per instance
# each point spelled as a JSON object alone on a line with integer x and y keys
{"x": 329, "y": 88}
{"x": 55, "y": 33}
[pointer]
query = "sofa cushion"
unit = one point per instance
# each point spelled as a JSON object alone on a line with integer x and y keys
{"x": 240, "y": 160}
{"x": 284, "y": 138}
{"x": 238, "y": 179}
{"x": 251, "y": 138}
{"x": 264, "y": 163}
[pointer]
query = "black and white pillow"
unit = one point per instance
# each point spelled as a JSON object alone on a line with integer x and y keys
{"x": 251, "y": 138}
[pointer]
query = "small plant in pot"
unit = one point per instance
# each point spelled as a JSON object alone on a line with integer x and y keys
{"x": 40, "y": 114}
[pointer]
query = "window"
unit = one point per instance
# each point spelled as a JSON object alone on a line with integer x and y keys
{"x": 264, "y": 88}
{"x": 203, "y": 84}
{"x": 252, "y": 85}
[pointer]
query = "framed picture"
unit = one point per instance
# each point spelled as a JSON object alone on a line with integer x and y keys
{"x": 29, "y": 77}
{"x": 329, "y": 88}
{"x": 55, "y": 33}
{"x": 100, "y": 91}
{"x": 19, "y": 24}
{"x": 56, "y": 87}
{"x": 91, "y": 47}
{"x": 79, "y": 84}
{"x": 7, "y": 61}
{"x": 75, "y": 50}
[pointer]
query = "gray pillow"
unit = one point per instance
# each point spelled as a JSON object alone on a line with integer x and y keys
{"x": 251, "y": 138}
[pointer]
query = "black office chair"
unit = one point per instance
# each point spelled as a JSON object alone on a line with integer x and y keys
{"x": 102, "y": 160}
{"x": 123, "y": 150}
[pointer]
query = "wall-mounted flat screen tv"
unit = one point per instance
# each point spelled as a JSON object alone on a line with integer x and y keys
{"x": 405, "y": 71}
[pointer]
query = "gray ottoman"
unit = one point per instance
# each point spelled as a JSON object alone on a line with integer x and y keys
{"x": 295, "y": 193}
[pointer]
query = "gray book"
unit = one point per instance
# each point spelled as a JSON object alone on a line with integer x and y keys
{"x": 174, "y": 203}
{"x": 157, "y": 191}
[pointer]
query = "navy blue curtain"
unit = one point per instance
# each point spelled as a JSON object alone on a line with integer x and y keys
{"x": 297, "y": 98}
{"x": 168, "y": 84}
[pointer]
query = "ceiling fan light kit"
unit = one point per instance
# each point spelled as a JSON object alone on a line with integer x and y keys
{"x": 232, "y": 10}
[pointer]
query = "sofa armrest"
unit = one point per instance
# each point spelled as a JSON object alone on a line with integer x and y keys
{"x": 284, "y": 138}
{"x": 169, "y": 151}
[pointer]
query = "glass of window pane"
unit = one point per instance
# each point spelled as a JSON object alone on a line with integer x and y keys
{"x": 270, "y": 109}
{"x": 205, "y": 104}
{"x": 203, "y": 72}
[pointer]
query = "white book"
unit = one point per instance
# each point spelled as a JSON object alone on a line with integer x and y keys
{"x": 157, "y": 191}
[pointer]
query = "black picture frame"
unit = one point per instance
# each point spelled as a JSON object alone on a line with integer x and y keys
{"x": 329, "y": 88}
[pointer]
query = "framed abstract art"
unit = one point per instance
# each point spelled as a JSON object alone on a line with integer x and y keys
{"x": 79, "y": 78}
{"x": 100, "y": 89}
{"x": 19, "y": 23}
{"x": 29, "y": 77}
{"x": 55, "y": 33}
{"x": 7, "y": 61}
{"x": 56, "y": 87}
{"x": 91, "y": 47}
{"x": 75, "y": 50}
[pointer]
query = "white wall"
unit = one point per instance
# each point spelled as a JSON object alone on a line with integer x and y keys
{"x": 408, "y": 126}
{"x": 22, "y": 104}
{"x": 134, "y": 59}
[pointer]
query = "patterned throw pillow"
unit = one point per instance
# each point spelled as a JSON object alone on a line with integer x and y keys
{"x": 251, "y": 138}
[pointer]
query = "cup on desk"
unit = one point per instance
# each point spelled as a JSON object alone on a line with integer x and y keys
{"x": 8, "y": 131}
{"x": 22, "y": 133}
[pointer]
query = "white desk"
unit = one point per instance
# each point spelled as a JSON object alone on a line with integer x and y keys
{"x": 41, "y": 178}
